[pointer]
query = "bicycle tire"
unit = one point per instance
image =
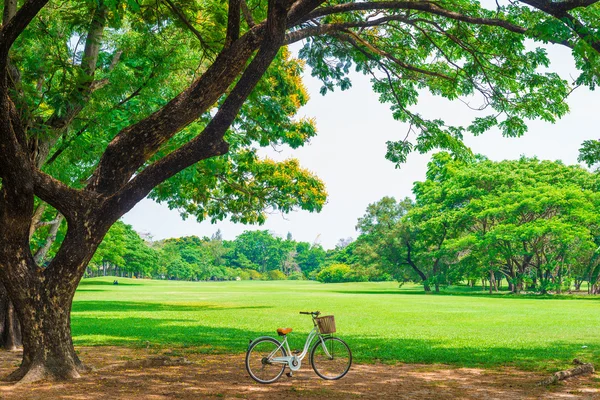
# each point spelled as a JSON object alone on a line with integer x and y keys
{"x": 335, "y": 367}
{"x": 257, "y": 365}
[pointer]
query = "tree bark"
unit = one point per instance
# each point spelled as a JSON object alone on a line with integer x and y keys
{"x": 412, "y": 264}
{"x": 48, "y": 351}
{"x": 10, "y": 328}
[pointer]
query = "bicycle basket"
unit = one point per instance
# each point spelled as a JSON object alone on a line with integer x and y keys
{"x": 326, "y": 324}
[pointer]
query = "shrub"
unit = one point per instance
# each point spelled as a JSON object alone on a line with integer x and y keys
{"x": 243, "y": 274}
{"x": 276, "y": 275}
{"x": 254, "y": 275}
{"x": 296, "y": 276}
{"x": 335, "y": 273}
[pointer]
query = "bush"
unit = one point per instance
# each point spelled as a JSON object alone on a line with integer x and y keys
{"x": 296, "y": 276}
{"x": 254, "y": 275}
{"x": 335, "y": 273}
{"x": 243, "y": 274}
{"x": 276, "y": 275}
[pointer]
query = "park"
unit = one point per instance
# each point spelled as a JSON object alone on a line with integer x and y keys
{"x": 499, "y": 345}
{"x": 466, "y": 267}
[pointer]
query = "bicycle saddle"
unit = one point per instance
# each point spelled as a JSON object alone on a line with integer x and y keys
{"x": 283, "y": 331}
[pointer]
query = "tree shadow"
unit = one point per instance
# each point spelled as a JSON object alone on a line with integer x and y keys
{"x": 97, "y": 282}
{"x": 554, "y": 356}
{"x": 132, "y": 306}
{"x": 506, "y": 295}
{"x": 168, "y": 328}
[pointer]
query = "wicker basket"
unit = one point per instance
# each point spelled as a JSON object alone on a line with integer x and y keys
{"x": 326, "y": 324}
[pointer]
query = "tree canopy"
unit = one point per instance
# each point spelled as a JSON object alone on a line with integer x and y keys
{"x": 534, "y": 223}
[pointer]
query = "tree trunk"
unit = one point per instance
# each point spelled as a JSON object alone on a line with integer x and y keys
{"x": 10, "y": 328}
{"x": 48, "y": 351}
{"x": 435, "y": 276}
{"x": 423, "y": 277}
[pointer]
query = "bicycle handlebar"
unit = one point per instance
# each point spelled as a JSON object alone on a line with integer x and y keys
{"x": 315, "y": 313}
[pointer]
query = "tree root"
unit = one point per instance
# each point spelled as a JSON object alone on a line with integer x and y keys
{"x": 580, "y": 369}
{"x": 38, "y": 371}
{"x": 16, "y": 375}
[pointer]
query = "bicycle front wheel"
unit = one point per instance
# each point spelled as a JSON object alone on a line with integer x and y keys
{"x": 331, "y": 358}
{"x": 259, "y": 360}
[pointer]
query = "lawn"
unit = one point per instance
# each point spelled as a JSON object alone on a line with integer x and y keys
{"x": 378, "y": 320}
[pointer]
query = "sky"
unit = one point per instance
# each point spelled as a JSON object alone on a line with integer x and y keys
{"x": 348, "y": 154}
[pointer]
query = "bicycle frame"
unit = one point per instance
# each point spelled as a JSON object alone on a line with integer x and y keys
{"x": 297, "y": 359}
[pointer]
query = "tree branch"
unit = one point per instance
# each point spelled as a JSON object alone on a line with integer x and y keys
{"x": 559, "y": 10}
{"x": 551, "y": 6}
{"x": 77, "y": 99}
{"x": 210, "y": 142}
{"x": 187, "y": 23}
{"x": 425, "y": 6}
{"x": 10, "y": 9}
{"x": 40, "y": 254}
{"x": 68, "y": 201}
{"x": 233, "y": 22}
{"x": 17, "y": 24}
{"x": 119, "y": 163}
{"x": 35, "y": 219}
{"x": 70, "y": 140}
{"x": 247, "y": 14}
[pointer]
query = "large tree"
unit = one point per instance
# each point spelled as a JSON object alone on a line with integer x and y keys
{"x": 105, "y": 102}
{"x": 532, "y": 222}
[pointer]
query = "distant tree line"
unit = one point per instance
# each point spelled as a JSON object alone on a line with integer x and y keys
{"x": 252, "y": 255}
{"x": 524, "y": 225}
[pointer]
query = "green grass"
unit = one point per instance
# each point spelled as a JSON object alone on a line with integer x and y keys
{"x": 378, "y": 320}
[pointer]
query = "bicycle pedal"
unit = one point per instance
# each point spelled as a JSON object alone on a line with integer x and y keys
{"x": 296, "y": 351}
{"x": 289, "y": 374}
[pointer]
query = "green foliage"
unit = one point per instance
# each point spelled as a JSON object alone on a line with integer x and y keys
{"x": 589, "y": 153}
{"x": 253, "y": 255}
{"x": 147, "y": 57}
{"x": 258, "y": 250}
{"x": 335, "y": 273}
{"x": 296, "y": 276}
{"x": 309, "y": 257}
{"x": 276, "y": 275}
{"x": 534, "y": 223}
{"x": 454, "y": 60}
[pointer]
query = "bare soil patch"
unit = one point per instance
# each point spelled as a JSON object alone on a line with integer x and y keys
{"x": 223, "y": 376}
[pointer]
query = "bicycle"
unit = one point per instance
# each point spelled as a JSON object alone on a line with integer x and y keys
{"x": 330, "y": 357}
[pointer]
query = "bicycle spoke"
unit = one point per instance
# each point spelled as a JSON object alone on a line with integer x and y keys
{"x": 331, "y": 358}
{"x": 258, "y": 360}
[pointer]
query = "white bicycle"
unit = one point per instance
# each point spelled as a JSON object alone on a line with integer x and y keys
{"x": 330, "y": 357}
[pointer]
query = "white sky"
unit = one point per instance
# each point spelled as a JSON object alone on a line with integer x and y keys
{"x": 348, "y": 155}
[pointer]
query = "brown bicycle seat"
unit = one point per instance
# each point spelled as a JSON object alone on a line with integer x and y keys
{"x": 283, "y": 331}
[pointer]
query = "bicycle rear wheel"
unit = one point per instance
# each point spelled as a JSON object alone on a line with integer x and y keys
{"x": 331, "y": 358}
{"x": 258, "y": 360}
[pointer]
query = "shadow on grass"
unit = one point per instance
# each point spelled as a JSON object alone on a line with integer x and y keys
{"x": 557, "y": 355}
{"x": 192, "y": 334}
{"x": 95, "y": 282}
{"x": 501, "y": 295}
{"x": 132, "y": 306}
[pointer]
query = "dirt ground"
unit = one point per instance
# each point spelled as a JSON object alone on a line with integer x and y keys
{"x": 224, "y": 376}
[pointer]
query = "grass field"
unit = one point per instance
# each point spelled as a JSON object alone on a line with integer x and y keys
{"x": 378, "y": 320}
